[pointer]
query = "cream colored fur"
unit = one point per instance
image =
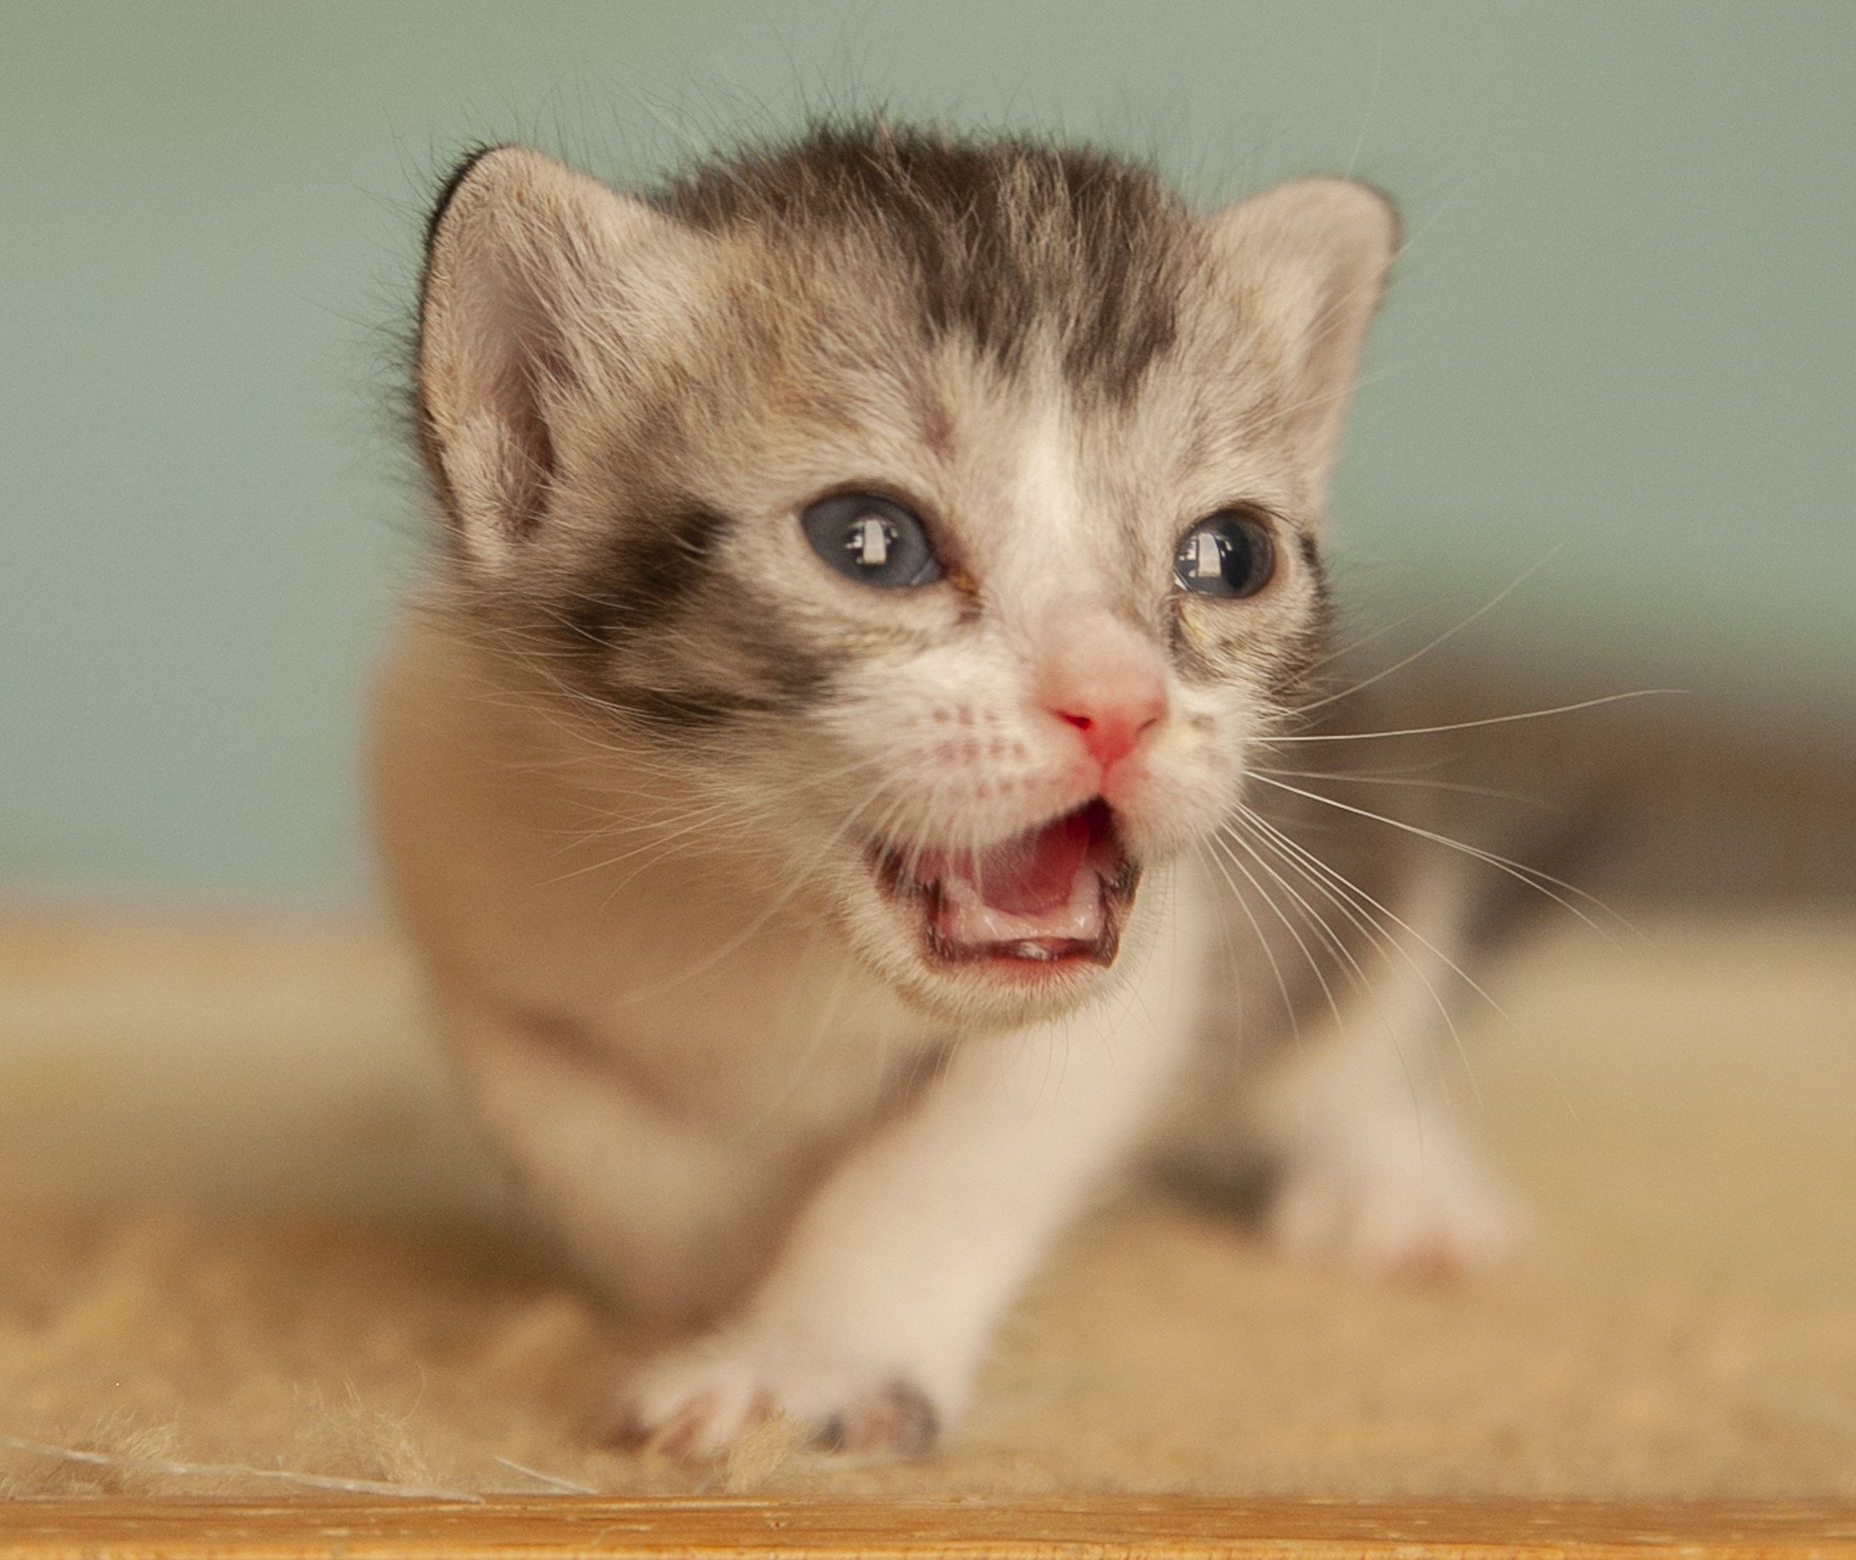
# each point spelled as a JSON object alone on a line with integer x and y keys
{"x": 707, "y": 1043}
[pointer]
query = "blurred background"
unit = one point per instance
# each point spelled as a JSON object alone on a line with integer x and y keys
{"x": 1619, "y": 351}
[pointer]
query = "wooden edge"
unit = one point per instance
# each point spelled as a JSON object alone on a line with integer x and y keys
{"x": 1044, "y": 1528}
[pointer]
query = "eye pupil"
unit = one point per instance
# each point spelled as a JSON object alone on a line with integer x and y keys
{"x": 1229, "y": 554}
{"x": 872, "y": 540}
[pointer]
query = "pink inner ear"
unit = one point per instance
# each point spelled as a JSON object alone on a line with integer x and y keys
{"x": 511, "y": 367}
{"x": 529, "y": 498}
{"x": 496, "y": 318}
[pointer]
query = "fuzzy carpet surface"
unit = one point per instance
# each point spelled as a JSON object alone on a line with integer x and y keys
{"x": 247, "y": 1246}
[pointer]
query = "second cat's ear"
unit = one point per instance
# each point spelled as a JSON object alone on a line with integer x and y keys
{"x": 1309, "y": 260}
{"x": 536, "y": 278}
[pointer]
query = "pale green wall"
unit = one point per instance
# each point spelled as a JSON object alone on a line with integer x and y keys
{"x": 1624, "y": 325}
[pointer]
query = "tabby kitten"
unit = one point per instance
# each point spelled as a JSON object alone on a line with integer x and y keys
{"x": 816, "y": 773}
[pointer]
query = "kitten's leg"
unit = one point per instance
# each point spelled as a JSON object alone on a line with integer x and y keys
{"x": 1372, "y": 1167}
{"x": 874, "y": 1319}
{"x": 666, "y": 1220}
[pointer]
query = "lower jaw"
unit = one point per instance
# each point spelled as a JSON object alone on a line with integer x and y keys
{"x": 1028, "y": 961}
{"x": 1049, "y": 984}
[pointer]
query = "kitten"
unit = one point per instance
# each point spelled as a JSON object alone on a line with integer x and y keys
{"x": 818, "y": 776}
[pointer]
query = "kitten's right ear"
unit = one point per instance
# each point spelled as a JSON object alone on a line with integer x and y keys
{"x": 533, "y": 274}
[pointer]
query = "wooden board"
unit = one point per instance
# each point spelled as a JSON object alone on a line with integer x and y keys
{"x": 1041, "y": 1529}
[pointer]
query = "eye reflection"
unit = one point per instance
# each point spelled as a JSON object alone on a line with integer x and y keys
{"x": 872, "y": 540}
{"x": 1229, "y": 554}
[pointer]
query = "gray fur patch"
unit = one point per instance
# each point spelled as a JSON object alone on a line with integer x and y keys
{"x": 1006, "y": 242}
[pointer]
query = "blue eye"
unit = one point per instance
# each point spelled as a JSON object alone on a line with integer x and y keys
{"x": 1228, "y": 554}
{"x": 872, "y": 540}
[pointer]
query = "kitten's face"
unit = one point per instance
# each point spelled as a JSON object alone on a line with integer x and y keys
{"x": 962, "y": 645}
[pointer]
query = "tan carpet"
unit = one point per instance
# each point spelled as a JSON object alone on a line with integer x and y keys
{"x": 242, "y": 1236}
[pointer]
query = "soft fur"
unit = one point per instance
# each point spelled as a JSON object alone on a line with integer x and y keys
{"x": 649, "y": 772}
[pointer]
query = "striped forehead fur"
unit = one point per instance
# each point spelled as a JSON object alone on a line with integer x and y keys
{"x": 1008, "y": 243}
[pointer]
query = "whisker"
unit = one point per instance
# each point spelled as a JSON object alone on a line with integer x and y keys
{"x": 1487, "y": 720}
{"x": 1448, "y": 634}
{"x": 1313, "y": 918}
{"x": 1282, "y": 986}
{"x": 1291, "y": 850}
{"x": 1533, "y": 877}
{"x": 1348, "y": 886}
{"x": 1349, "y": 777}
{"x": 693, "y": 826}
{"x": 752, "y": 930}
{"x": 1375, "y": 933}
{"x": 1354, "y": 646}
{"x": 1314, "y": 964}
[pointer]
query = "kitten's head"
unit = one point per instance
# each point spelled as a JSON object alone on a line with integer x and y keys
{"x": 937, "y": 519}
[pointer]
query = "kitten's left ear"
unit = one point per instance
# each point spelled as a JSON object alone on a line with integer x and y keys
{"x": 1310, "y": 258}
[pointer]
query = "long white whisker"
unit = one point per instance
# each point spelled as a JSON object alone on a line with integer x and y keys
{"x": 1354, "y": 646}
{"x": 1448, "y": 634}
{"x": 1438, "y": 999}
{"x": 1347, "y": 777}
{"x": 1314, "y": 919}
{"x": 1533, "y": 877}
{"x": 693, "y": 825}
{"x": 1314, "y": 964}
{"x": 1375, "y": 933}
{"x": 1288, "y": 1004}
{"x": 1348, "y": 886}
{"x": 1468, "y": 725}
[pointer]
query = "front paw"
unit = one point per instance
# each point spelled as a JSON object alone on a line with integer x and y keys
{"x": 697, "y": 1403}
{"x": 1395, "y": 1216}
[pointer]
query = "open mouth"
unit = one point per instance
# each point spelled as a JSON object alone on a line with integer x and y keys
{"x": 1055, "y": 893}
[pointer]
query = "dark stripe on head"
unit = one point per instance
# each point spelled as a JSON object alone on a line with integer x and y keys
{"x": 663, "y": 576}
{"x": 1003, "y": 240}
{"x": 776, "y": 683}
{"x": 686, "y": 710}
{"x": 789, "y": 677}
{"x": 651, "y": 568}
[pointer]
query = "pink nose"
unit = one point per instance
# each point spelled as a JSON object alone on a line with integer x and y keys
{"x": 1112, "y": 692}
{"x": 1104, "y": 677}
{"x": 1112, "y": 730}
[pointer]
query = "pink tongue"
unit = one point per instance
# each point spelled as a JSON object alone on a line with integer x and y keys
{"x": 1032, "y": 874}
